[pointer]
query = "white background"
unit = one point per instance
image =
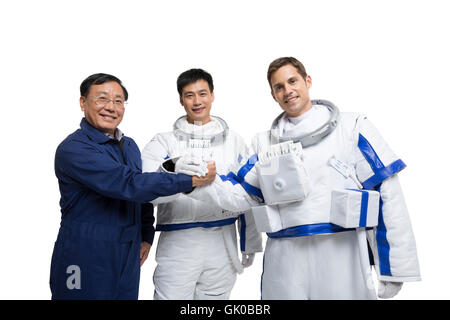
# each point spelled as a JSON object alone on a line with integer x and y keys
{"x": 388, "y": 59}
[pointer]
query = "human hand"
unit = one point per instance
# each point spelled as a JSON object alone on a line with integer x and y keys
{"x": 191, "y": 166}
{"x": 208, "y": 178}
{"x": 145, "y": 249}
{"x": 387, "y": 290}
{"x": 247, "y": 259}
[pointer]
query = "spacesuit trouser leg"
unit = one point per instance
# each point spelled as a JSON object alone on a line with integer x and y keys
{"x": 314, "y": 267}
{"x": 91, "y": 261}
{"x": 193, "y": 264}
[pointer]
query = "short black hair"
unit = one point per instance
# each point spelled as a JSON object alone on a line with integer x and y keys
{"x": 191, "y": 76}
{"x": 100, "y": 78}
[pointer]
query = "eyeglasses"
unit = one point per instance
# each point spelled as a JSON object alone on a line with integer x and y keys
{"x": 102, "y": 101}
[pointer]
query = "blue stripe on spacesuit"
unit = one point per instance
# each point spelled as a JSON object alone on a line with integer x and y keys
{"x": 234, "y": 179}
{"x": 248, "y": 166}
{"x": 382, "y": 243}
{"x": 364, "y": 205}
{"x": 381, "y": 172}
{"x": 243, "y": 172}
{"x": 181, "y": 226}
{"x": 262, "y": 275}
{"x": 242, "y": 232}
{"x": 252, "y": 190}
{"x": 307, "y": 230}
{"x": 229, "y": 177}
{"x": 369, "y": 153}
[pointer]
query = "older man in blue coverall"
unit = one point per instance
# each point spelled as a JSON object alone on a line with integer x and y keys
{"x": 107, "y": 223}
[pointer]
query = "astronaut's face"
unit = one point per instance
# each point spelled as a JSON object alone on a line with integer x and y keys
{"x": 104, "y": 106}
{"x": 291, "y": 91}
{"x": 196, "y": 98}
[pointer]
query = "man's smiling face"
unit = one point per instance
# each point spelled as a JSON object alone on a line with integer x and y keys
{"x": 197, "y": 99}
{"x": 291, "y": 91}
{"x": 105, "y": 116}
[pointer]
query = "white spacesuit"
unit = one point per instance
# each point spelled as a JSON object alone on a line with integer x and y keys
{"x": 307, "y": 256}
{"x": 197, "y": 255}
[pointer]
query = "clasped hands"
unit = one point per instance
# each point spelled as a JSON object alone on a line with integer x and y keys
{"x": 202, "y": 172}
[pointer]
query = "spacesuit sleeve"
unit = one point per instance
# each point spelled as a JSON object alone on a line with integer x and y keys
{"x": 85, "y": 164}
{"x": 375, "y": 161}
{"x": 153, "y": 155}
{"x": 392, "y": 241}
{"x": 236, "y": 191}
{"x": 250, "y": 240}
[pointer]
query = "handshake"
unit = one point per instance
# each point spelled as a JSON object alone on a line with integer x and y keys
{"x": 202, "y": 172}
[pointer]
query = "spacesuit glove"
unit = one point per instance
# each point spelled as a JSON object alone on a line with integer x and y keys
{"x": 191, "y": 166}
{"x": 247, "y": 259}
{"x": 387, "y": 290}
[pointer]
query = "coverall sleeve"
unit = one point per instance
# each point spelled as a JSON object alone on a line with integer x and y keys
{"x": 148, "y": 219}
{"x": 153, "y": 155}
{"x": 392, "y": 241}
{"x": 237, "y": 191}
{"x": 250, "y": 239}
{"x": 90, "y": 167}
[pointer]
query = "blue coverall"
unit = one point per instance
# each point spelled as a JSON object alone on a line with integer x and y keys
{"x": 105, "y": 215}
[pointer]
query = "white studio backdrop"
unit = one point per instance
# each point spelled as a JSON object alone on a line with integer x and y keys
{"x": 387, "y": 59}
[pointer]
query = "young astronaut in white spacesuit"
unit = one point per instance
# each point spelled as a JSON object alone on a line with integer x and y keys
{"x": 197, "y": 254}
{"x": 329, "y": 186}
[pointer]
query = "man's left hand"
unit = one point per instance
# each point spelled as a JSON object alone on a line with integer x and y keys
{"x": 145, "y": 249}
{"x": 247, "y": 259}
{"x": 387, "y": 290}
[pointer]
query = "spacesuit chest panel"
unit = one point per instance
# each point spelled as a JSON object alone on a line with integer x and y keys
{"x": 223, "y": 154}
{"x": 323, "y": 178}
{"x": 188, "y": 210}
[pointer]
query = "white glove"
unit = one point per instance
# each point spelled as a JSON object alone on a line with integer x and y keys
{"x": 191, "y": 166}
{"x": 387, "y": 290}
{"x": 247, "y": 259}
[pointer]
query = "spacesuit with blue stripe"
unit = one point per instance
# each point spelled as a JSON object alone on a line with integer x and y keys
{"x": 310, "y": 257}
{"x": 197, "y": 253}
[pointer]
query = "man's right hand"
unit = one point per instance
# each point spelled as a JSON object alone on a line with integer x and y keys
{"x": 208, "y": 178}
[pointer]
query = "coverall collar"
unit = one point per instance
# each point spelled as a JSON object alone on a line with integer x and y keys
{"x": 93, "y": 133}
